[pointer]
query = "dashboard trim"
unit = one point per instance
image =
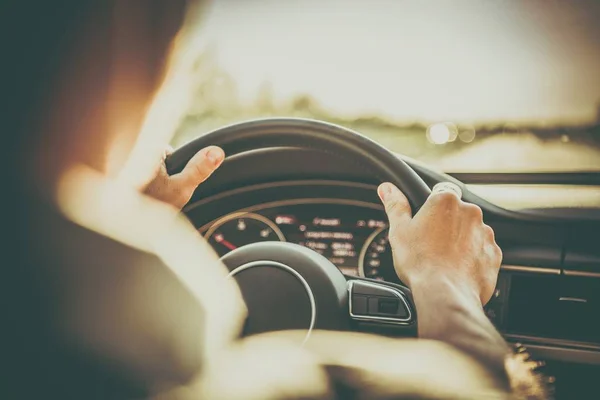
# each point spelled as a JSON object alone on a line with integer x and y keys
{"x": 579, "y": 356}
{"x": 546, "y": 341}
{"x": 534, "y": 270}
{"x": 582, "y": 274}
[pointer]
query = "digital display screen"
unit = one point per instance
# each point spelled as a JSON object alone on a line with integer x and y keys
{"x": 338, "y": 238}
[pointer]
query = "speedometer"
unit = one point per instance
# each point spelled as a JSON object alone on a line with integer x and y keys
{"x": 376, "y": 260}
{"x": 239, "y": 229}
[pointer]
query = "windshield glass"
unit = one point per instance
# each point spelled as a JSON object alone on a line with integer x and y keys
{"x": 462, "y": 85}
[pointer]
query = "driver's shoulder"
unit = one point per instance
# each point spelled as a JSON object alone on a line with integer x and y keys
{"x": 110, "y": 300}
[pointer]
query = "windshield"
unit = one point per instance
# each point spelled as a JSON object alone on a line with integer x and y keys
{"x": 462, "y": 85}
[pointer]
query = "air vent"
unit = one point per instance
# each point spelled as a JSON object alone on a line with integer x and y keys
{"x": 554, "y": 306}
{"x": 533, "y": 305}
{"x": 579, "y": 308}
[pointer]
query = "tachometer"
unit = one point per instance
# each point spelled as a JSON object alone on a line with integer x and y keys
{"x": 238, "y": 229}
{"x": 376, "y": 260}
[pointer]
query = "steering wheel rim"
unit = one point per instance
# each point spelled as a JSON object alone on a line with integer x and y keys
{"x": 312, "y": 134}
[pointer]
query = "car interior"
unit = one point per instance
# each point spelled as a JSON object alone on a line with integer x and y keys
{"x": 499, "y": 98}
{"x": 321, "y": 195}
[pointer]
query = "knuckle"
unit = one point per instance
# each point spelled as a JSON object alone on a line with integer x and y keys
{"x": 489, "y": 233}
{"x": 494, "y": 254}
{"x": 498, "y": 253}
{"x": 473, "y": 211}
{"x": 445, "y": 199}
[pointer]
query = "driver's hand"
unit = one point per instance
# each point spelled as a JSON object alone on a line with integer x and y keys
{"x": 449, "y": 258}
{"x": 446, "y": 240}
{"x": 178, "y": 189}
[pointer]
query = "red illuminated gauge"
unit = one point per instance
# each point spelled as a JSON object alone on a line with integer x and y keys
{"x": 376, "y": 261}
{"x": 239, "y": 229}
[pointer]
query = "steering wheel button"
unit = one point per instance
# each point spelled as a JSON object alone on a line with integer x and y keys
{"x": 373, "y": 306}
{"x": 368, "y": 289}
{"x": 359, "y": 305}
{"x": 388, "y": 306}
{"x": 382, "y": 303}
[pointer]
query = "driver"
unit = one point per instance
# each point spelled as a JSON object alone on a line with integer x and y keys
{"x": 106, "y": 298}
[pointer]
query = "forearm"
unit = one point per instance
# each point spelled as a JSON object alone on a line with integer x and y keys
{"x": 451, "y": 313}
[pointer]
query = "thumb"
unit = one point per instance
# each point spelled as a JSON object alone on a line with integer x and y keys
{"x": 199, "y": 168}
{"x": 396, "y": 205}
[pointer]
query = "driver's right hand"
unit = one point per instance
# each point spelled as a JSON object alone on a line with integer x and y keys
{"x": 446, "y": 240}
{"x": 450, "y": 260}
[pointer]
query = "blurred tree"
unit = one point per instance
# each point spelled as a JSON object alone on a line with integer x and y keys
{"x": 264, "y": 100}
{"x": 215, "y": 89}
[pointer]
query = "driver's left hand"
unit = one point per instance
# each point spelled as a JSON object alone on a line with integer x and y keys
{"x": 177, "y": 189}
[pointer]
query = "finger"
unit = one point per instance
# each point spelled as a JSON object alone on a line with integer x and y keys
{"x": 168, "y": 151}
{"x": 200, "y": 167}
{"x": 396, "y": 205}
{"x": 442, "y": 187}
{"x": 446, "y": 195}
{"x": 441, "y": 202}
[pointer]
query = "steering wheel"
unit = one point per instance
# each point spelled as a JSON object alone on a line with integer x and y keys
{"x": 287, "y": 286}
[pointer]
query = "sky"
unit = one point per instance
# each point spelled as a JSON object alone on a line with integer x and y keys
{"x": 426, "y": 60}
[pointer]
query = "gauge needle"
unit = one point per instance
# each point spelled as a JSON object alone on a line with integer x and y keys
{"x": 224, "y": 242}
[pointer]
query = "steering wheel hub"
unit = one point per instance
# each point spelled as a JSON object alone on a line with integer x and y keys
{"x": 286, "y": 286}
{"x": 272, "y": 290}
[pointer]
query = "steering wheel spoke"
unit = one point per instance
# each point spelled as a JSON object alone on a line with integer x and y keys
{"x": 378, "y": 302}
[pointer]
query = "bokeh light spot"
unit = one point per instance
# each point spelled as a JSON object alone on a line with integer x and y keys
{"x": 467, "y": 135}
{"x": 439, "y": 133}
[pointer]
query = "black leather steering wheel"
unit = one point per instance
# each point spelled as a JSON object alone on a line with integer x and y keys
{"x": 306, "y": 133}
{"x": 285, "y": 285}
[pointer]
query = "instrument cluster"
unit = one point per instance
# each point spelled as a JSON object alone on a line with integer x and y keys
{"x": 353, "y": 237}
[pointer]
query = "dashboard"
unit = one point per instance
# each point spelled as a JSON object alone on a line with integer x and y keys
{"x": 351, "y": 234}
{"x": 548, "y": 292}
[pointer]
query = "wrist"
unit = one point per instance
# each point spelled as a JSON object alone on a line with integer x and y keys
{"x": 436, "y": 284}
{"x": 443, "y": 301}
